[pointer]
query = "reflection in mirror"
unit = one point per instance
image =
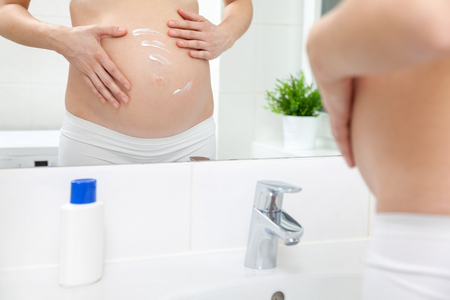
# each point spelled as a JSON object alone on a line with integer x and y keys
{"x": 33, "y": 86}
{"x": 271, "y": 49}
{"x": 328, "y": 5}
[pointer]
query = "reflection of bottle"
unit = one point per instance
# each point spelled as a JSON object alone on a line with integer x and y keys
{"x": 81, "y": 237}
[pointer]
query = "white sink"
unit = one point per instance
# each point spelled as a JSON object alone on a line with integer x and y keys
{"x": 327, "y": 271}
{"x": 345, "y": 287}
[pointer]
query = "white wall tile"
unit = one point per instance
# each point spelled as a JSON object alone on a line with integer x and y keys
{"x": 232, "y": 147}
{"x": 236, "y": 113}
{"x": 215, "y": 74}
{"x": 216, "y": 96}
{"x": 284, "y": 12}
{"x": 144, "y": 214}
{"x": 236, "y": 125}
{"x": 333, "y": 204}
{"x": 278, "y": 55}
{"x": 49, "y": 8}
{"x": 337, "y": 201}
{"x": 15, "y": 62}
{"x": 48, "y": 66}
{"x": 255, "y": 17}
{"x": 212, "y": 10}
{"x": 238, "y": 64}
{"x": 216, "y": 113}
{"x": 15, "y": 107}
{"x": 372, "y": 213}
{"x": 48, "y": 106}
{"x": 268, "y": 125}
{"x": 311, "y": 13}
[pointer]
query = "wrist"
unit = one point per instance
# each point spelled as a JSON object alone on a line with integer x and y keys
{"x": 57, "y": 39}
{"x": 228, "y": 37}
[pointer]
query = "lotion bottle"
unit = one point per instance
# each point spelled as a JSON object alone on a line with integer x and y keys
{"x": 81, "y": 236}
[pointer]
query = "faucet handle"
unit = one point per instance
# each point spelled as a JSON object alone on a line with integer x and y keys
{"x": 269, "y": 194}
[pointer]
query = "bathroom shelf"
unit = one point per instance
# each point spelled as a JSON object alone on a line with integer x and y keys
{"x": 276, "y": 149}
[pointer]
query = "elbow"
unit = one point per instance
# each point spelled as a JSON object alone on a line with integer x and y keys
{"x": 311, "y": 45}
{"x": 315, "y": 53}
{"x": 249, "y": 12}
{"x": 7, "y": 12}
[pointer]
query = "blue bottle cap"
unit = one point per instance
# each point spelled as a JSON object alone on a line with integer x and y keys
{"x": 83, "y": 191}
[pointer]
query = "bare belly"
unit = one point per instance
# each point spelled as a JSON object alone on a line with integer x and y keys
{"x": 171, "y": 92}
{"x": 401, "y": 138}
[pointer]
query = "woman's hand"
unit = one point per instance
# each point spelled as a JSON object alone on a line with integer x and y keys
{"x": 82, "y": 48}
{"x": 206, "y": 40}
{"x": 337, "y": 98}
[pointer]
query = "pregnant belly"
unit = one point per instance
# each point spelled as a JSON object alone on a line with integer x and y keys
{"x": 171, "y": 92}
{"x": 400, "y": 137}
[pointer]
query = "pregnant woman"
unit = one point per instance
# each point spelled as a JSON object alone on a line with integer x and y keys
{"x": 383, "y": 67}
{"x": 139, "y": 86}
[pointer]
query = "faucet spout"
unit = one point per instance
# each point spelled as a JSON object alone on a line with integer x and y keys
{"x": 265, "y": 229}
{"x": 283, "y": 226}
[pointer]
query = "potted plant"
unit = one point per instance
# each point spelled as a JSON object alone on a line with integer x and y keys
{"x": 299, "y": 104}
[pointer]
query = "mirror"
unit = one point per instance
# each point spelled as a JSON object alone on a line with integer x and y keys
{"x": 33, "y": 82}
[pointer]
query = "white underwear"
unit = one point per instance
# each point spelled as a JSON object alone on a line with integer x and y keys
{"x": 85, "y": 143}
{"x": 408, "y": 258}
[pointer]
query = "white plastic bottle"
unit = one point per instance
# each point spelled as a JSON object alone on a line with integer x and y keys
{"x": 81, "y": 236}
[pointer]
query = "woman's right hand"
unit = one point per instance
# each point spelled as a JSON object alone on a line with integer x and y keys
{"x": 83, "y": 49}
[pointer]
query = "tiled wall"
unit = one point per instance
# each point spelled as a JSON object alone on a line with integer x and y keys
{"x": 33, "y": 81}
{"x": 164, "y": 209}
{"x": 270, "y": 49}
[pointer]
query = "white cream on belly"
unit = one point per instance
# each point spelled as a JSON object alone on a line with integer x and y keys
{"x": 183, "y": 90}
{"x": 161, "y": 59}
{"x": 156, "y": 44}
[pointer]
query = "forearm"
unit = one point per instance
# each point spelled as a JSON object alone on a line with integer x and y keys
{"x": 364, "y": 37}
{"x": 17, "y": 25}
{"x": 236, "y": 18}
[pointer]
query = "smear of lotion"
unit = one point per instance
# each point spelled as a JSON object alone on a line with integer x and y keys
{"x": 160, "y": 59}
{"x": 146, "y": 31}
{"x": 185, "y": 89}
{"x": 156, "y": 44}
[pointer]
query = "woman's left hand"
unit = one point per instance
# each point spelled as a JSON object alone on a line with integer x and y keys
{"x": 206, "y": 40}
{"x": 337, "y": 98}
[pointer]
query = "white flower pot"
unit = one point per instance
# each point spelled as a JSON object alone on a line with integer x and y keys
{"x": 299, "y": 132}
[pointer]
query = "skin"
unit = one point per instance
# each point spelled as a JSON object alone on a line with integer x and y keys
{"x": 385, "y": 85}
{"x": 84, "y": 45}
{"x": 81, "y": 46}
{"x": 206, "y": 40}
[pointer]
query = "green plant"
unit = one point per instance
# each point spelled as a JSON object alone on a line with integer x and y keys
{"x": 293, "y": 97}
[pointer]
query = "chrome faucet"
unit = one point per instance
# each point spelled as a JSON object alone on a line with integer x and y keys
{"x": 269, "y": 223}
